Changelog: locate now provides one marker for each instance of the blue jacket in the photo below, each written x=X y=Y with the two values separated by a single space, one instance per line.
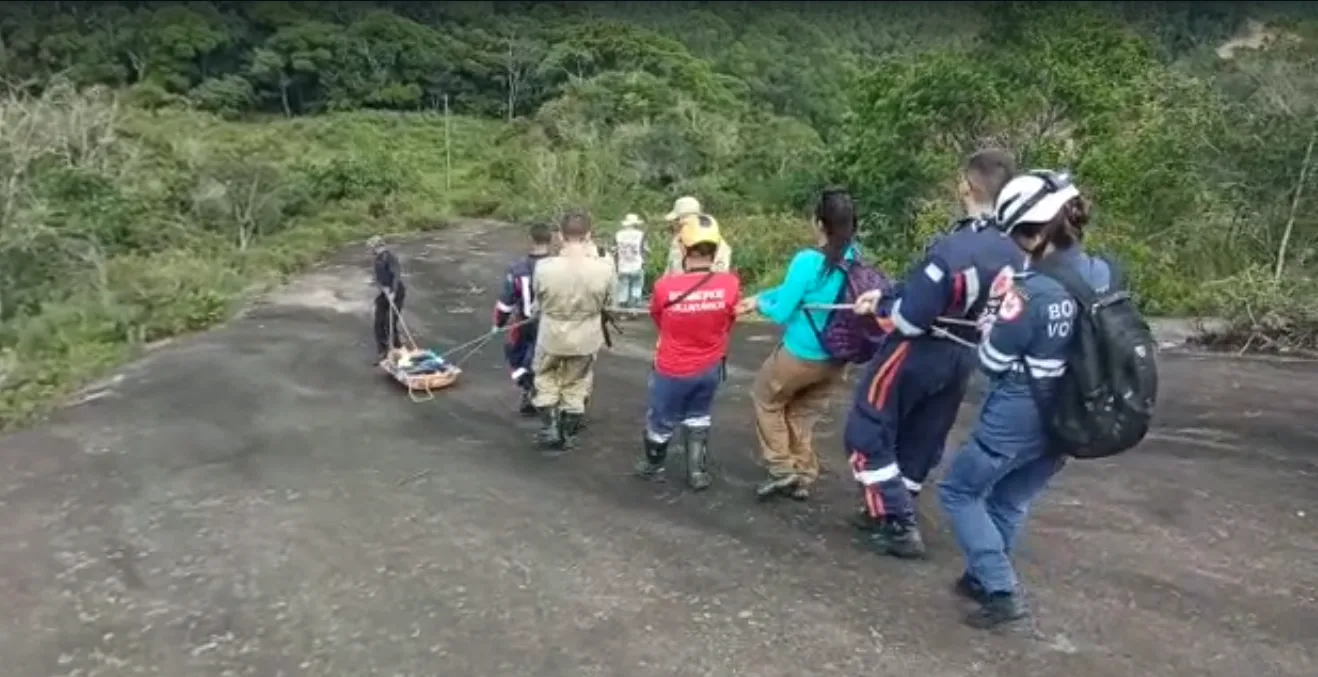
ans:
x=1024 y=350
x=806 y=282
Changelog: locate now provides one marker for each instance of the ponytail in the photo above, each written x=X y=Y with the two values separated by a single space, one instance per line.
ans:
x=836 y=215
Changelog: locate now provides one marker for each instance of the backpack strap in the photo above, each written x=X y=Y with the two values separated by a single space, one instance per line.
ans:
x=1070 y=280
x=843 y=267
x=683 y=296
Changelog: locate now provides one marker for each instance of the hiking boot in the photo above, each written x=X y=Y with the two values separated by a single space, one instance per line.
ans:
x=569 y=426
x=549 y=436
x=651 y=463
x=899 y=540
x=777 y=484
x=970 y=588
x=1000 y=608
x=525 y=408
x=697 y=458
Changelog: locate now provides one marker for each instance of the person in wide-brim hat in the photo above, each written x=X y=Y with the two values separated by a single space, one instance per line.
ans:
x=629 y=248
x=687 y=211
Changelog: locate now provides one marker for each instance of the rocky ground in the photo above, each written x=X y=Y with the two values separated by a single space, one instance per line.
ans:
x=258 y=500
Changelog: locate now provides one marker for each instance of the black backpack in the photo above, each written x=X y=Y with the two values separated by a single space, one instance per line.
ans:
x=1104 y=403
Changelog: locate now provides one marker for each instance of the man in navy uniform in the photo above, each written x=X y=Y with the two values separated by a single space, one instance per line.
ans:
x=908 y=397
x=517 y=304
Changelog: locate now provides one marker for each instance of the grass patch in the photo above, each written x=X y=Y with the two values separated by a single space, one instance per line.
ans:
x=127 y=226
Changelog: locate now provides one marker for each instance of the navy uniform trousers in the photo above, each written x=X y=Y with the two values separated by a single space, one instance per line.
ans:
x=905 y=405
x=518 y=351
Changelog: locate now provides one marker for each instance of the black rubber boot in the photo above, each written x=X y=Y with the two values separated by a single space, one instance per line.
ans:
x=899 y=539
x=1000 y=608
x=697 y=459
x=525 y=408
x=569 y=425
x=549 y=436
x=651 y=463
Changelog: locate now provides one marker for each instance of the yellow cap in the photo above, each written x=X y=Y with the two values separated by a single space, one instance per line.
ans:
x=698 y=228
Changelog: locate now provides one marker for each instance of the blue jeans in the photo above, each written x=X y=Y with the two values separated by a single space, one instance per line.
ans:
x=631 y=288
x=987 y=494
x=680 y=401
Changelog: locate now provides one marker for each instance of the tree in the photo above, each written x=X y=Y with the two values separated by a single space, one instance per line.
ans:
x=388 y=61
x=520 y=51
x=294 y=60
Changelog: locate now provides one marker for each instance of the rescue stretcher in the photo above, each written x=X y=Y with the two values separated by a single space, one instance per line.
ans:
x=422 y=372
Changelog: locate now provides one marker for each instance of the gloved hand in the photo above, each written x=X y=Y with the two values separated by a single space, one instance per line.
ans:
x=495 y=329
x=867 y=303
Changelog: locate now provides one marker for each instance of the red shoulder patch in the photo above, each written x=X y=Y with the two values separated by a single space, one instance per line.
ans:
x=1012 y=306
x=1003 y=282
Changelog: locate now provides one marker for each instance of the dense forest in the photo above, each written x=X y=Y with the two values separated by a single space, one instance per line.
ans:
x=165 y=159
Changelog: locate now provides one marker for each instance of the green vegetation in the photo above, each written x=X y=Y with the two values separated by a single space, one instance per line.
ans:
x=166 y=159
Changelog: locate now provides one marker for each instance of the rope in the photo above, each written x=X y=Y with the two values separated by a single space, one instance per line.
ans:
x=473 y=346
x=413 y=393
x=839 y=306
x=962 y=322
x=468 y=349
x=939 y=331
x=411 y=342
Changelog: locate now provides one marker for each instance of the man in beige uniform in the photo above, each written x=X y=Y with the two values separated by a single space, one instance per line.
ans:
x=572 y=290
x=687 y=210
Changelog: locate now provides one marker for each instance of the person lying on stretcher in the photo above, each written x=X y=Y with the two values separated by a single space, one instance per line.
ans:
x=418 y=362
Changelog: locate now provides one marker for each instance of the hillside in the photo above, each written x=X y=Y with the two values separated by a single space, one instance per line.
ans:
x=166 y=159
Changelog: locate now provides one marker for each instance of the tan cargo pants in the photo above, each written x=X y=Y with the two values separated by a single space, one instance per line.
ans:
x=790 y=397
x=563 y=381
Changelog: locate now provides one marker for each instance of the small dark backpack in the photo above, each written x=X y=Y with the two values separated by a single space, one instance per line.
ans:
x=846 y=336
x=1104 y=403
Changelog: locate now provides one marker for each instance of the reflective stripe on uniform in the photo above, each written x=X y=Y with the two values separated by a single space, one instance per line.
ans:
x=996 y=361
x=902 y=324
x=884 y=474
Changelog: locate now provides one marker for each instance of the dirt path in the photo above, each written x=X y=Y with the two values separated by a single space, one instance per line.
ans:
x=257 y=501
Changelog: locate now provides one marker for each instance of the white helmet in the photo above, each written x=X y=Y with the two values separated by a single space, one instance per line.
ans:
x=1035 y=197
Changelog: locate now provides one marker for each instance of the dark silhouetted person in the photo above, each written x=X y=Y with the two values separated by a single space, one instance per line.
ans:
x=389 y=300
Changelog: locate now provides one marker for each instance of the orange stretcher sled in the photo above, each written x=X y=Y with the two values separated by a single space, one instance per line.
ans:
x=422 y=372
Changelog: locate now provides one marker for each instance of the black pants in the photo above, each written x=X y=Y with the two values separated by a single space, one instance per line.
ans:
x=386 y=322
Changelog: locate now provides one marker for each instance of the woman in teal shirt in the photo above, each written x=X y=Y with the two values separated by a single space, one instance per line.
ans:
x=792 y=390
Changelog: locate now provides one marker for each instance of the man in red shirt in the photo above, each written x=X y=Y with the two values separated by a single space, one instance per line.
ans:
x=694 y=312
